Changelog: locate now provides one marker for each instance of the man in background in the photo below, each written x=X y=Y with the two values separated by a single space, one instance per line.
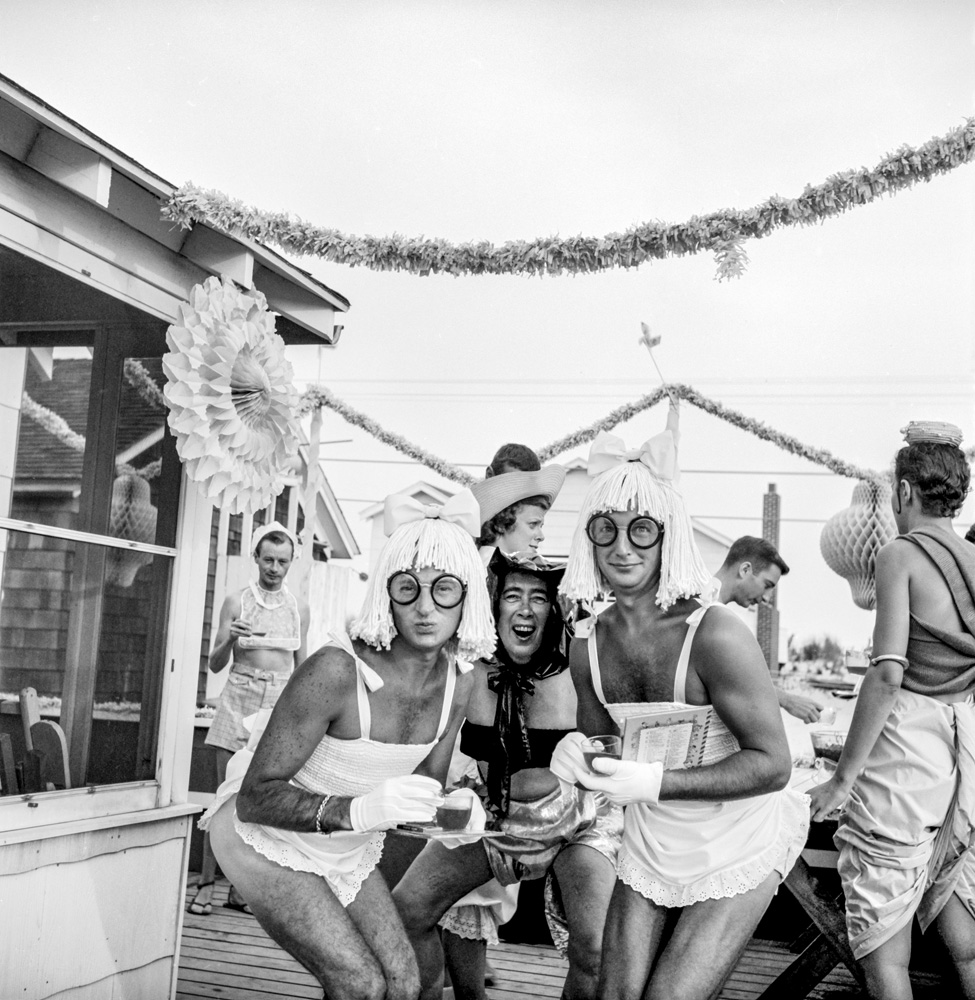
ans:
x=749 y=574
x=261 y=633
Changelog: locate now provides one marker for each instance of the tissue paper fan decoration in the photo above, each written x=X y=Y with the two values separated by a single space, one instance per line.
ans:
x=231 y=396
x=851 y=539
x=133 y=517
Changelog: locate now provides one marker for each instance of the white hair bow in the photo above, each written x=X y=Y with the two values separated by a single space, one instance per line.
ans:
x=461 y=509
x=658 y=454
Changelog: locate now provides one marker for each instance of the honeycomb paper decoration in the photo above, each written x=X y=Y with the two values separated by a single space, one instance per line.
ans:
x=133 y=517
x=851 y=539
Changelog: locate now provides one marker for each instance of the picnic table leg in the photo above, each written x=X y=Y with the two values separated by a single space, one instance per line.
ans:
x=825 y=910
x=815 y=963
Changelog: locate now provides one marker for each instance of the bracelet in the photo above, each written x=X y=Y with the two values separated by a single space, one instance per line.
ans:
x=902 y=660
x=321 y=813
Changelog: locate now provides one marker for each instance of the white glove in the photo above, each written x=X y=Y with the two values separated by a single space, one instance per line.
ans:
x=411 y=798
x=475 y=824
x=567 y=762
x=625 y=781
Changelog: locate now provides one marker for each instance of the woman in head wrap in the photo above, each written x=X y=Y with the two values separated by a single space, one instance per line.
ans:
x=359 y=742
x=906 y=777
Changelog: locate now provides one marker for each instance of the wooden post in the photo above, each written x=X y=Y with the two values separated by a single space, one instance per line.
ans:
x=767 y=628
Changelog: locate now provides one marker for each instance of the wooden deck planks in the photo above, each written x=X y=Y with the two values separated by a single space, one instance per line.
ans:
x=228 y=955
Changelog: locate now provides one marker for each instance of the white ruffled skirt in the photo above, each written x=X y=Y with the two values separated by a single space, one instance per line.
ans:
x=682 y=852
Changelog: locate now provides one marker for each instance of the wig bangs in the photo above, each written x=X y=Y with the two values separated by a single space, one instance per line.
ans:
x=429 y=543
x=631 y=486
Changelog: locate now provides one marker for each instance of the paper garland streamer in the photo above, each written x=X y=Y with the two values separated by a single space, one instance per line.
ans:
x=144 y=384
x=58 y=427
x=52 y=422
x=722 y=232
x=317 y=396
x=755 y=427
x=231 y=396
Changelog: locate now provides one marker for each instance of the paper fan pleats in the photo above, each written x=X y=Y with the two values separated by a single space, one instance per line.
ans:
x=231 y=396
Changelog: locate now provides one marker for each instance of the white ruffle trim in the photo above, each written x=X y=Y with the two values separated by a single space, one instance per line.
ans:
x=475 y=923
x=779 y=856
x=345 y=885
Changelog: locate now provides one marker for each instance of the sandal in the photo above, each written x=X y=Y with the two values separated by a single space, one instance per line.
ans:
x=202 y=909
x=235 y=902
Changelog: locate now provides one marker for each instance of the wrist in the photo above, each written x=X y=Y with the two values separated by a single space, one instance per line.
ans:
x=843 y=780
x=333 y=814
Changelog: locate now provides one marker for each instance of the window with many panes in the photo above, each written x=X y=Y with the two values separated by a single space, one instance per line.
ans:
x=89 y=491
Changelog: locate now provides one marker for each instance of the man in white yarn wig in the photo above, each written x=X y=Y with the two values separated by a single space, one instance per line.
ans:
x=703 y=873
x=428 y=542
x=643 y=481
x=358 y=743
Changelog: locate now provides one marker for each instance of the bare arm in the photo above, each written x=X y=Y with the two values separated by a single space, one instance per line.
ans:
x=302 y=651
x=730 y=665
x=882 y=682
x=229 y=629
x=310 y=703
x=807 y=709
x=592 y=719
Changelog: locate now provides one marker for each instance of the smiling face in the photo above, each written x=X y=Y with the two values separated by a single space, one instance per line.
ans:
x=524 y=609
x=273 y=562
x=626 y=568
x=525 y=535
x=423 y=624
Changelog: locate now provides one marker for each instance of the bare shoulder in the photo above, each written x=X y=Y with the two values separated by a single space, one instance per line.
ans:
x=465 y=684
x=232 y=604
x=898 y=553
x=721 y=625
x=328 y=671
x=724 y=645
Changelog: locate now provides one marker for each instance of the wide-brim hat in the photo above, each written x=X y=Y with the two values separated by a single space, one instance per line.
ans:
x=503 y=563
x=501 y=491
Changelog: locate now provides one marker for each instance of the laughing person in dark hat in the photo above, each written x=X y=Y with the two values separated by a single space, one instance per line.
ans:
x=522 y=704
x=514 y=499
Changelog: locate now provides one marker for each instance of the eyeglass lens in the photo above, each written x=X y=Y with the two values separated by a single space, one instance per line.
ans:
x=447 y=591
x=643 y=532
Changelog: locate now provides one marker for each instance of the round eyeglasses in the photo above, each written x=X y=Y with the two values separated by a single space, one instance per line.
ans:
x=643 y=532
x=446 y=590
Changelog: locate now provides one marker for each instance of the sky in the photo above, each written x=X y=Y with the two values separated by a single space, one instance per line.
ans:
x=488 y=120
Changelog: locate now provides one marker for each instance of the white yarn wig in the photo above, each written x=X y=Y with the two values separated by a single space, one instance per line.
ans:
x=430 y=543
x=631 y=486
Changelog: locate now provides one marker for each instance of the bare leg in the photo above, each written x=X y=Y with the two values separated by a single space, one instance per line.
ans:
x=631 y=939
x=707 y=940
x=706 y=944
x=466 y=963
x=886 y=968
x=360 y=953
x=203 y=900
x=433 y=883
x=956 y=925
x=586 y=882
